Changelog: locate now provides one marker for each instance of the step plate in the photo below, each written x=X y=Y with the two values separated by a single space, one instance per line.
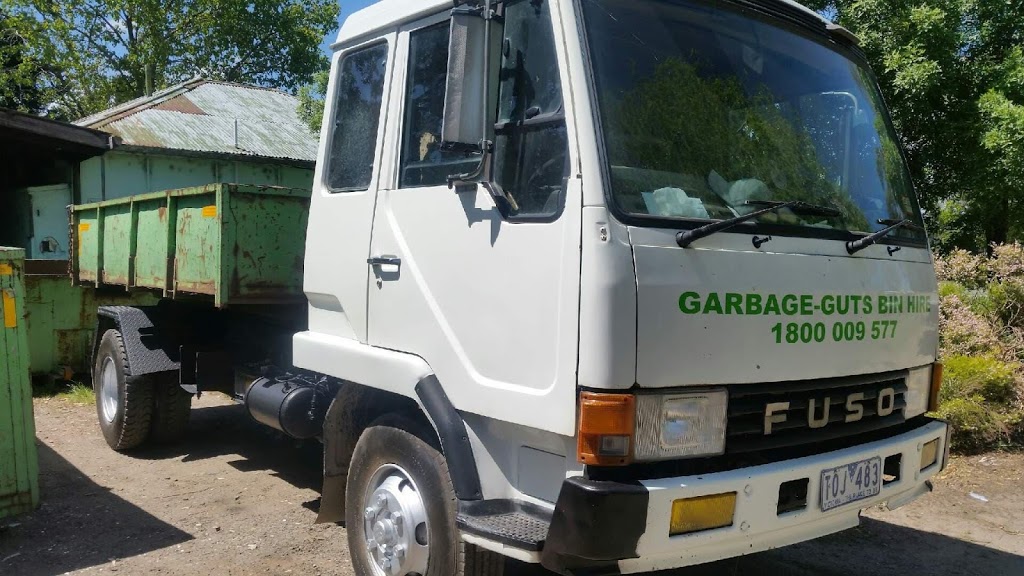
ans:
x=513 y=527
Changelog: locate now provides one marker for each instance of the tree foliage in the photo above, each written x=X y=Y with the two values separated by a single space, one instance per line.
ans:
x=952 y=72
x=97 y=53
x=18 y=70
x=311 y=100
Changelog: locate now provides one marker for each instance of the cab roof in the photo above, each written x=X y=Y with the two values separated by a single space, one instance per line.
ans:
x=387 y=14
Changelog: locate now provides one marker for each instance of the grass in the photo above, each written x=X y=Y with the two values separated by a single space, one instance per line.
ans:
x=78 y=393
x=73 y=392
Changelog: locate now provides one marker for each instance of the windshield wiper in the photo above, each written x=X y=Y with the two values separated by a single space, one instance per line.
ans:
x=909 y=224
x=854 y=246
x=798 y=207
x=687 y=237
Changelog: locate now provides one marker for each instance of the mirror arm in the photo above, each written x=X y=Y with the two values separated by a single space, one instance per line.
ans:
x=482 y=175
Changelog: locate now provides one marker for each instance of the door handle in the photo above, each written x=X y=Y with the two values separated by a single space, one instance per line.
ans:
x=384 y=261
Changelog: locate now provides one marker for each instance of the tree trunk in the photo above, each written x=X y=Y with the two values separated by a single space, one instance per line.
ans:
x=150 y=72
x=998 y=229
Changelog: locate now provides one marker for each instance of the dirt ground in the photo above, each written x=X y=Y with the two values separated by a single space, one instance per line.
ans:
x=237 y=499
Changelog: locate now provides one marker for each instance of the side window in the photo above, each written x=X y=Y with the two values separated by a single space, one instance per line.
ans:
x=357 y=108
x=531 y=146
x=423 y=162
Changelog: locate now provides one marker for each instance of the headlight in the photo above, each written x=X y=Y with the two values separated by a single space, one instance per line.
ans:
x=919 y=391
x=680 y=425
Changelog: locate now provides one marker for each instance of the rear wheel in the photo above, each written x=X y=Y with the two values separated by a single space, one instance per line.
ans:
x=400 y=509
x=124 y=403
x=171 y=408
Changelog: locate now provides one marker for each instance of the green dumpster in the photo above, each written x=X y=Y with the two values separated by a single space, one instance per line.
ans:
x=237 y=244
x=19 y=466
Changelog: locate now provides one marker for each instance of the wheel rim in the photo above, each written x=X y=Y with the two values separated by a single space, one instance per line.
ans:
x=395 y=530
x=108 y=389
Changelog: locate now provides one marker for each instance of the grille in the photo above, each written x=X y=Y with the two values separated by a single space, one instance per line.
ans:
x=747 y=403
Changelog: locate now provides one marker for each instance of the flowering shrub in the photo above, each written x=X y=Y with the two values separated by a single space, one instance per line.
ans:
x=963 y=332
x=1007 y=262
x=981 y=333
x=963 y=268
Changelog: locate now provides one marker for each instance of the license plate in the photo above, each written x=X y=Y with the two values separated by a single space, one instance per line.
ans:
x=851 y=482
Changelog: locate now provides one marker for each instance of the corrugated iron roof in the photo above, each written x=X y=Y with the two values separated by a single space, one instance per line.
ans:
x=216 y=117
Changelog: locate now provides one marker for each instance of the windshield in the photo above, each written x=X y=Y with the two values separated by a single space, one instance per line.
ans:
x=708 y=113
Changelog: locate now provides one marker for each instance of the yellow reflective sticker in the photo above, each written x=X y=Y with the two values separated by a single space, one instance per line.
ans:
x=83 y=227
x=10 y=310
x=6 y=269
x=209 y=211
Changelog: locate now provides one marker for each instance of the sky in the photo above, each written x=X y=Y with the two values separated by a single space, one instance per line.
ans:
x=347 y=8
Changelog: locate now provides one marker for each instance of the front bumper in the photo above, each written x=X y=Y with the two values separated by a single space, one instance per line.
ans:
x=614 y=527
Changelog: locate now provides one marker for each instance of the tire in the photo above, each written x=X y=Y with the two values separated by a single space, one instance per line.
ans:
x=171 y=408
x=391 y=449
x=124 y=404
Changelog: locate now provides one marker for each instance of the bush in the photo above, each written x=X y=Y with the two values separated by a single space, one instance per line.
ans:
x=1006 y=299
x=979 y=300
x=960 y=266
x=981 y=341
x=979 y=399
x=1007 y=262
x=963 y=332
x=975 y=426
x=991 y=379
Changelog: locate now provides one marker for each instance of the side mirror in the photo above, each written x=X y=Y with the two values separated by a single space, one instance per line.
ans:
x=474 y=52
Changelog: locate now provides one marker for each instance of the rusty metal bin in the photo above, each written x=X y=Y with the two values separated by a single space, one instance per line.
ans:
x=19 y=463
x=237 y=244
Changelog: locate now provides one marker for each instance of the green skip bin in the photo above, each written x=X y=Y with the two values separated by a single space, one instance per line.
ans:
x=19 y=463
x=237 y=244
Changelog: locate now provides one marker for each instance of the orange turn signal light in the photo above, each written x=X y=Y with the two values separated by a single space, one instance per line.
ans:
x=933 y=398
x=605 y=429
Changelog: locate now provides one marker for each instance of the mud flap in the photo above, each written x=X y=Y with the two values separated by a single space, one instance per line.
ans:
x=342 y=427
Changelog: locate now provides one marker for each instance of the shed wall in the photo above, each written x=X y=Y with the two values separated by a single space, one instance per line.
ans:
x=119 y=174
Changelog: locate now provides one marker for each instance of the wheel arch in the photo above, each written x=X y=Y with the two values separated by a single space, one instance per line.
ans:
x=356 y=407
x=139 y=329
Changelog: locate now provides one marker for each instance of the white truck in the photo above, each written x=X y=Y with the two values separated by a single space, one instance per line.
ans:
x=607 y=285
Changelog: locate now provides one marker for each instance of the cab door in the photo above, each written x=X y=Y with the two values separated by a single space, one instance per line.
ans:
x=485 y=291
x=345 y=188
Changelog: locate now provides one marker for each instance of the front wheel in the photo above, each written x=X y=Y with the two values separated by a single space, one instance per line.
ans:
x=124 y=403
x=400 y=509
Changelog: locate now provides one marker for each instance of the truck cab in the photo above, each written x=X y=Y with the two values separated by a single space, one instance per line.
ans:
x=612 y=286
x=662 y=258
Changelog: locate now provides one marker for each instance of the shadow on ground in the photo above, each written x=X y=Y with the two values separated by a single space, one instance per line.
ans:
x=79 y=524
x=218 y=430
x=874 y=548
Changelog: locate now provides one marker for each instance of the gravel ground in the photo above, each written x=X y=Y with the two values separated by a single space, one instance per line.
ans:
x=236 y=499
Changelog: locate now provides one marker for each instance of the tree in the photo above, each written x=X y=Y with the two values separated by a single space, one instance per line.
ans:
x=952 y=72
x=311 y=100
x=18 y=71
x=110 y=51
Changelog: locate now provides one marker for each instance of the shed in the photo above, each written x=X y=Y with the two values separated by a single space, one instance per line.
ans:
x=196 y=133
x=42 y=156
